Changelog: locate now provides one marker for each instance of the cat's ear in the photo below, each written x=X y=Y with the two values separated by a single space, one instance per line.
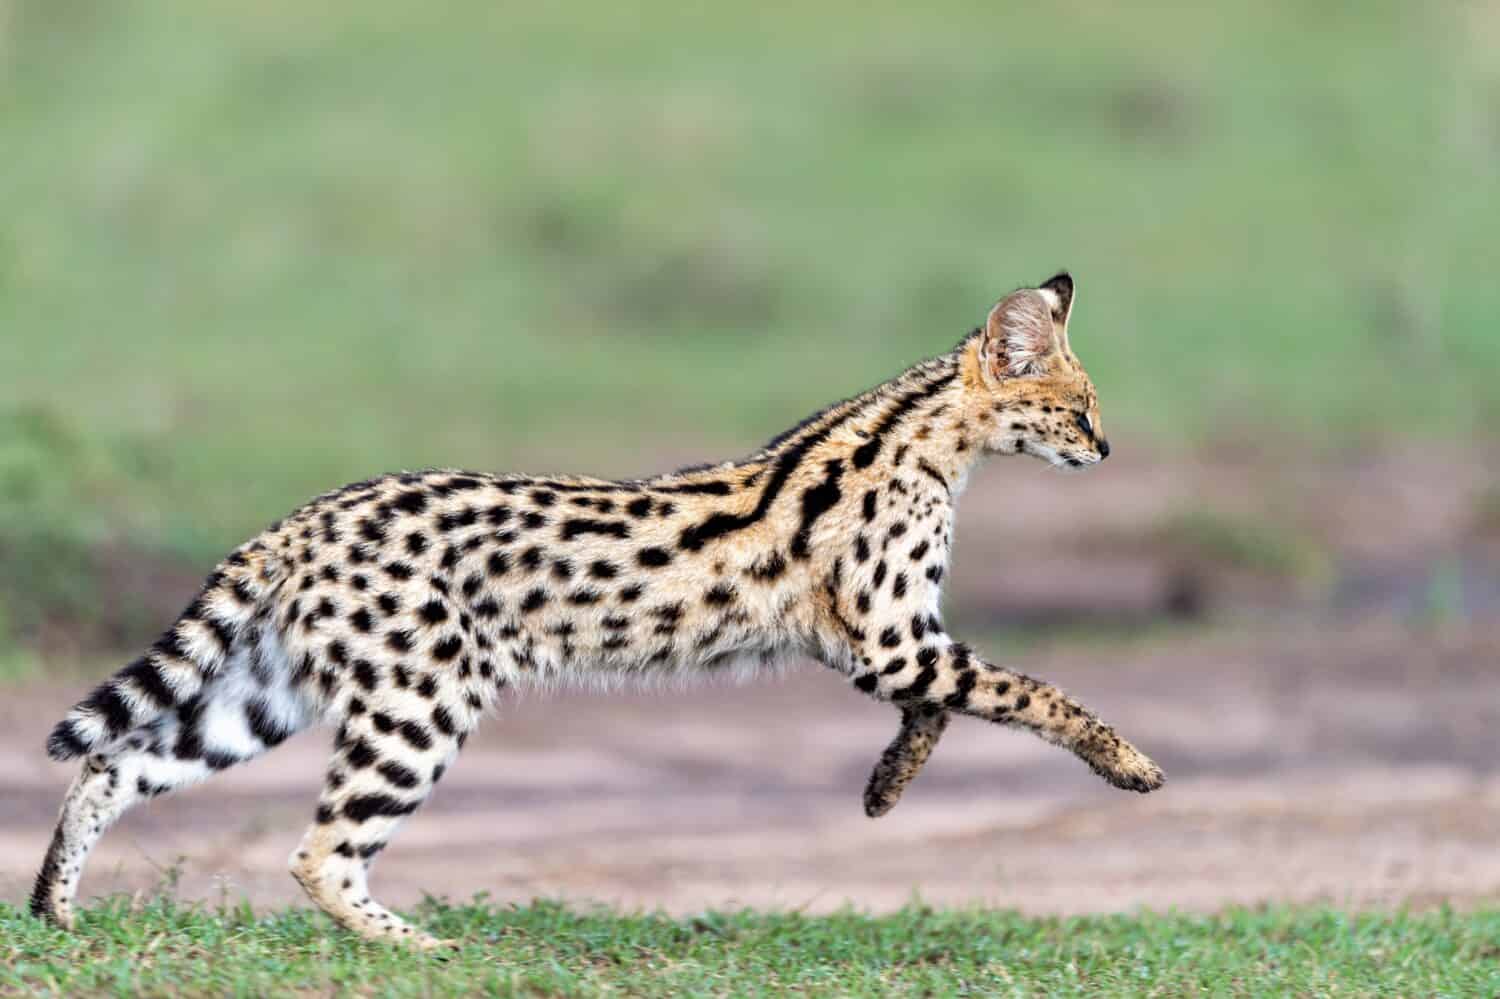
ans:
x=1059 y=292
x=1020 y=334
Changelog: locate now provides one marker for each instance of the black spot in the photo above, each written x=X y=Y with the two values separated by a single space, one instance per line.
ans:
x=487 y=608
x=562 y=569
x=534 y=520
x=534 y=600
x=890 y=638
x=866 y=682
x=388 y=603
x=769 y=568
x=263 y=725
x=411 y=501
x=242 y=592
x=221 y=633
x=584 y=597
x=361 y=620
x=720 y=595
x=578 y=526
x=447 y=648
x=415 y=735
x=653 y=557
x=398 y=641
x=416 y=542
x=959 y=699
x=880 y=571
x=869 y=506
x=604 y=570
x=927 y=656
x=898 y=585
x=465 y=517
x=919 y=551
x=863 y=601
x=360 y=755
x=398 y=570
x=639 y=507
x=918 y=687
x=397 y=774
x=442 y=720
x=366 y=806
x=932 y=473
x=630 y=594
x=147 y=789
x=433 y=611
x=364 y=673
x=531 y=558
x=861 y=548
x=498 y=564
x=542 y=497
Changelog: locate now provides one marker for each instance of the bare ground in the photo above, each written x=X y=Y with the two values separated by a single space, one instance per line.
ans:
x=1357 y=767
x=1321 y=745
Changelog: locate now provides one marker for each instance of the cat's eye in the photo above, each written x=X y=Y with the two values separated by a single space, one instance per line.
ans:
x=1084 y=424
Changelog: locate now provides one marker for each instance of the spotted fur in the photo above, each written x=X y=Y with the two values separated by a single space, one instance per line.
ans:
x=401 y=609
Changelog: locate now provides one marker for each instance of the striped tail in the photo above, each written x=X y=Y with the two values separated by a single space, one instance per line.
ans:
x=187 y=655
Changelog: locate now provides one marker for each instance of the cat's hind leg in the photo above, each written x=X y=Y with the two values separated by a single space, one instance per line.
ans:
x=383 y=768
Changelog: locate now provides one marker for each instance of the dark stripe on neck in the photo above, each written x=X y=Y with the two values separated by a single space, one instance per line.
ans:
x=866 y=453
x=795 y=449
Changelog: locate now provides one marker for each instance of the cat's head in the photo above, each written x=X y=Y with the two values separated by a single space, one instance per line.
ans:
x=1038 y=396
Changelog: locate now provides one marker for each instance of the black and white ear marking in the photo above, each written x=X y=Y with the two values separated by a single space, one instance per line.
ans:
x=1058 y=290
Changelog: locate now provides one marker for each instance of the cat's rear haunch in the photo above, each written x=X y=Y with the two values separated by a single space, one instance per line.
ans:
x=402 y=608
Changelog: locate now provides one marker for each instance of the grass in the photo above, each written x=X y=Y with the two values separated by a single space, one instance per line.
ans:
x=548 y=949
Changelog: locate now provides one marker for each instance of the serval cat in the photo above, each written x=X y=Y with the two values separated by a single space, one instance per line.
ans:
x=402 y=608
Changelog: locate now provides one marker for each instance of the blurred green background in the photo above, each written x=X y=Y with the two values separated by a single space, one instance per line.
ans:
x=249 y=251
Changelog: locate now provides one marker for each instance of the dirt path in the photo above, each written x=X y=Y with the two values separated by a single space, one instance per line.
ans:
x=1356 y=766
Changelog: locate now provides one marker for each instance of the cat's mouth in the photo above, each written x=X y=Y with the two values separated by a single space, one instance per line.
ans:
x=1055 y=458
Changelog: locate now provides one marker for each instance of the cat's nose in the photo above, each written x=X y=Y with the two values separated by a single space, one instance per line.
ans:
x=1103 y=449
